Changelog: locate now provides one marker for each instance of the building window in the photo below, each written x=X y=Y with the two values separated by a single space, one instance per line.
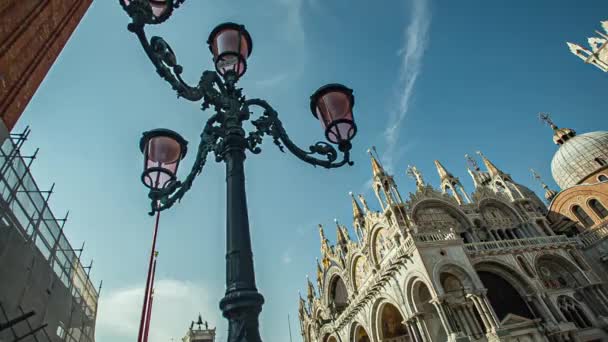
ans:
x=582 y=216
x=602 y=178
x=601 y=161
x=598 y=208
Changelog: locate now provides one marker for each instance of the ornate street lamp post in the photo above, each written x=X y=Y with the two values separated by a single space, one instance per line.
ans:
x=224 y=135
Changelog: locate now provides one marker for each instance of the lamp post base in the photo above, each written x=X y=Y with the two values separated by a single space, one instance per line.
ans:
x=242 y=309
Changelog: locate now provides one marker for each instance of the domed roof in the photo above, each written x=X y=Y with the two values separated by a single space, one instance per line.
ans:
x=577 y=157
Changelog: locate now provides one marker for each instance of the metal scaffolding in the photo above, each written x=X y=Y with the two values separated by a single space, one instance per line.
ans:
x=24 y=207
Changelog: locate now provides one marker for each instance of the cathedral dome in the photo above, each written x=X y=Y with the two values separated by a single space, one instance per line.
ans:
x=578 y=157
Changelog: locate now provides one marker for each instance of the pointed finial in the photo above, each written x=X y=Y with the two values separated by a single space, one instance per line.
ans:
x=443 y=173
x=472 y=162
x=560 y=135
x=322 y=233
x=605 y=26
x=549 y=193
x=377 y=168
x=357 y=213
x=364 y=202
x=311 y=289
x=492 y=169
x=546 y=118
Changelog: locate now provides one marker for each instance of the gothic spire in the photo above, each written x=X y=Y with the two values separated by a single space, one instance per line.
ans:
x=377 y=168
x=443 y=173
x=560 y=135
x=311 y=289
x=341 y=235
x=492 y=169
x=357 y=213
x=364 y=202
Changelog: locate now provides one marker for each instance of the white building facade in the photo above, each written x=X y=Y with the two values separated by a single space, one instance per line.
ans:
x=443 y=265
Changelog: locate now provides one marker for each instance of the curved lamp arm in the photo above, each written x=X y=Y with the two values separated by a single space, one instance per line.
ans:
x=270 y=124
x=165 y=61
x=165 y=198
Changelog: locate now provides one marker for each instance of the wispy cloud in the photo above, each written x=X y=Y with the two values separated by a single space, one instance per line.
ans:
x=411 y=53
x=272 y=81
x=176 y=303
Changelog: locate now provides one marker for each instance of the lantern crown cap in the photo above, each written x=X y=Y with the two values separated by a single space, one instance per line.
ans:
x=233 y=26
x=146 y=136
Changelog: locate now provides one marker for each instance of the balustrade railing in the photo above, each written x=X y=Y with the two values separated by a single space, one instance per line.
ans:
x=518 y=243
x=594 y=235
x=437 y=236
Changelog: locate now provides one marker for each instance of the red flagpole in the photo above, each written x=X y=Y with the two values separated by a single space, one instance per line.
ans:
x=150 y=300
x=147 y=293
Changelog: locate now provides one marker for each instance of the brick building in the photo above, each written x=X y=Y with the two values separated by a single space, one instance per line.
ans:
x=32 y=34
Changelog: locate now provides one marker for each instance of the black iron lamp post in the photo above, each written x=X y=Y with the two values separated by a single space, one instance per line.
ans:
x=224 y=135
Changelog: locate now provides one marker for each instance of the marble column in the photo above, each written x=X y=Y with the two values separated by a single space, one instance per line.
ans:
x=471 y=310
x=442 y=316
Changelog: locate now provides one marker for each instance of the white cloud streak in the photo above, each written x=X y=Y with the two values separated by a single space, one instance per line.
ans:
x=176 y=303
x=411 y=53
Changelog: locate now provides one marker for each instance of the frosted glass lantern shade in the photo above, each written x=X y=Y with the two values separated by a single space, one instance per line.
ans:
x=333 y=106
x=230 y=45
x=163 y=150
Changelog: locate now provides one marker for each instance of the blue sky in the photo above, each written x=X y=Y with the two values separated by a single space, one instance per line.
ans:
x=432 y=80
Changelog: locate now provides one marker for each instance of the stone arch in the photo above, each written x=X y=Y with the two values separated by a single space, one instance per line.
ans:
x=330 y=274
x=555 y=272
x=387 y=320
x=508 y=211
x=358 y=265
x=421 y=296
x=358 y=333
x=441 y=220
x=338 y=294
x=376 y=250
x=582 y=216
x=502 y=281
x=455 y=269
x=598 y=208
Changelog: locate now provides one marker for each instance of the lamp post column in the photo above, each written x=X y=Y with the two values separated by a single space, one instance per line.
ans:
x=242 y=302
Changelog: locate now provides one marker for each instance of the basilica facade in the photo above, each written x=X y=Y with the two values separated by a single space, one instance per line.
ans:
x=494 y=265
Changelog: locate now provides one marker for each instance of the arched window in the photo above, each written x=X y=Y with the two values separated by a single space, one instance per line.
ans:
x=598 y=208
x=573 y=312
x=338 y=295
x=582 y=216
x=391 y=325
x=602 y=178
x=601 y=161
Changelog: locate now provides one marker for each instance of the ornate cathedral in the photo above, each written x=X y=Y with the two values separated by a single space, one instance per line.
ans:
x=494 y=265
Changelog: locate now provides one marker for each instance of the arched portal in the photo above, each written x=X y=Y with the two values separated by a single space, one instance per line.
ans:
x=390 y=324
x=503 y=296
x=430 y=316
x=361 y=335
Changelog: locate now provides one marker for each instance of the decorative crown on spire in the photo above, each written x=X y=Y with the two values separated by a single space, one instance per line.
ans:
x=472 y=162
x=560 y=135
x=549 y=193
